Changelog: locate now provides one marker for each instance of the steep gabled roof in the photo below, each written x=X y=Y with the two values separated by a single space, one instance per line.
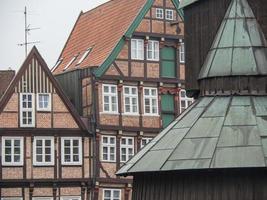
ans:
x=184 y=3
x=6 y=77
x=239 y=48
x=100 y=28
x=215 y=132
x=104 y=30
x=34 y=54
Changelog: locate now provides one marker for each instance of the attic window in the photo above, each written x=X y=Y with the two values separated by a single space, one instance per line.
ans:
x=69 y=64
x=57 y=64
x=86 y=53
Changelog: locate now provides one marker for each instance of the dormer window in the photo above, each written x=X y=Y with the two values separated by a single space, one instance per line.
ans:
x=169 y=14
x=86 y=53
x=57 y=64
x=71 y=61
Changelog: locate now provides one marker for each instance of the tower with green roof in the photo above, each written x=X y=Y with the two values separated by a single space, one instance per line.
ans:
x=217 y=148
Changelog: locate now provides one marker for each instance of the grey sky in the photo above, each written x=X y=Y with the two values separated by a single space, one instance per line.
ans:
x=55 y=18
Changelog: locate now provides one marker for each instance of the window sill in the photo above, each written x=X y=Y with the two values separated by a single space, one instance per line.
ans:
x=106 y=161
x=43 y=165
x=109 y=113
x=151 y=115
x=12 y=164
x=131 y=114
x=71 y=164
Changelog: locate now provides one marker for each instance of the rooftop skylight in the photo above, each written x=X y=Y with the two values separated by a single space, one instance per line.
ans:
x=86 y=53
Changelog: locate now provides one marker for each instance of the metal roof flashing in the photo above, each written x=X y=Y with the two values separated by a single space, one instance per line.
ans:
x=226 y=131
x=239 y=48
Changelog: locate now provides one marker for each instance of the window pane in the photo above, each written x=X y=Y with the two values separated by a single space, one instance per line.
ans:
x=67 y=158
x=16 y=158
x=47 y=158
x=47 y=142
x=116 y=194
x=39 y=158
x=66 y=142
x=47 y=150
x=7 y=143
x=8 y=151
x=7 y=158
x=76 y=143
x=107 y=193
x=75 y=158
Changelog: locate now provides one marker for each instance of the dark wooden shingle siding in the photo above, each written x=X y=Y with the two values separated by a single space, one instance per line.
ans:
x=220 y=185
x=202 y=20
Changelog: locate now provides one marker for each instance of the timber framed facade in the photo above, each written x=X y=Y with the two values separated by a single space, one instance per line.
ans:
x=130 y=89
x=46 y=148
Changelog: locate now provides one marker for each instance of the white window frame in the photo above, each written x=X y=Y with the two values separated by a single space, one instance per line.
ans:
x=150 y=97
x=12 y=163
x=71 y=162
x=32 y=110
x=112 y=193
x=167 y=14
x=85 y=54
x=11 y=198
x=108 y=146
x=159 y=13
x=182 y=53
x=139 y=49
x=131 y=96
x=43 y=163
x=70 y=198
x=186 y=99
x=42 y=198
x=147 y=140
x=126 y=146
x=110 y=95
x=70 y=62
x=49 y=102
x=154 y=50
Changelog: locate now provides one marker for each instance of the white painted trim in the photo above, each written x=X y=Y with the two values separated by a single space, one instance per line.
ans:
x=131 y=96
x=49 y=102
x=11 y=198
x=186 y=99
x=137 y=49
x=71 y=151
x=127 y=147
x=42 y=198
x=159 y=9
x=169 y=10
x=147 y=139
x=110 y=95
x=70 y=197
x=150 y=101
x=35 y=163
x=153 y=50
x=108 y=145
x=112 y=190
x=182 y=52
x=27 y=109
x=12 y=163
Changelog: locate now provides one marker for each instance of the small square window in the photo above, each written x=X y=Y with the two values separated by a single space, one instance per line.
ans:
x=159 y=13
x=169 y=14
x=111 y=194
x=44 y=102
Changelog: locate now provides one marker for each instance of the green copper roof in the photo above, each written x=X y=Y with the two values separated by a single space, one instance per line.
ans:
x=239 y=47
x=215 y=132
x=184 y=3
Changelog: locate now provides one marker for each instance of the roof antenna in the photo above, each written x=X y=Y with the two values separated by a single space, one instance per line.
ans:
x=26 y=32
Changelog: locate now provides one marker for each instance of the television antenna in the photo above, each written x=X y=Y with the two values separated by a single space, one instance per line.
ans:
x=27 y=32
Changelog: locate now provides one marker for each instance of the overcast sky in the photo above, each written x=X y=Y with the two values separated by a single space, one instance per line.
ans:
x=55 y=18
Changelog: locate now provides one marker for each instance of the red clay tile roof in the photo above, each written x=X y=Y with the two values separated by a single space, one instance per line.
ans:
x=6 y=77
x=100 y=28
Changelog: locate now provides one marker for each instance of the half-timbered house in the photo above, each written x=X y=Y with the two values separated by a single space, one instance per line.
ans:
x=216 y=149
x=46 y=149
x=123 y=68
